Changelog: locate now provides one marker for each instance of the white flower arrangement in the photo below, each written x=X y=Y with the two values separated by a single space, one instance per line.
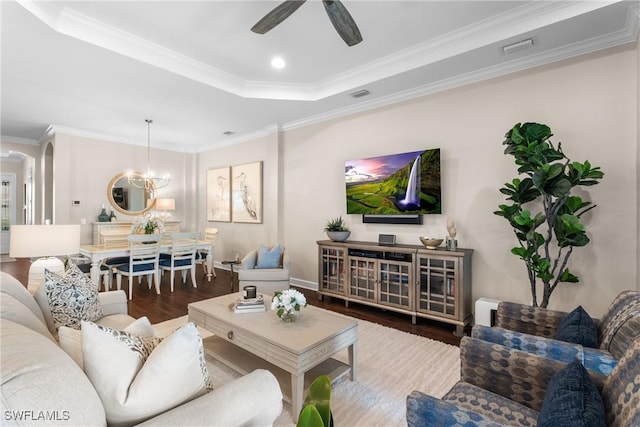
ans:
x=287 y=302
x=147 y=224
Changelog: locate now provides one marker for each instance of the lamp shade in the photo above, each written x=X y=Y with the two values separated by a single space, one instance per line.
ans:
x=31 y=241
x=166 y=204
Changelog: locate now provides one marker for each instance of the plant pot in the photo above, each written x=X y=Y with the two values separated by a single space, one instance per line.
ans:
x=338 y=236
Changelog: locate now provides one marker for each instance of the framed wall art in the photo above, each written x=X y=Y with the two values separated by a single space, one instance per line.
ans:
x=246 y=192
x=219 y=194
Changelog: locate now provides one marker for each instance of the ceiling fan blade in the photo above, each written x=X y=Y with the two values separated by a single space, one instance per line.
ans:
x=277 y=15
x=342 y=22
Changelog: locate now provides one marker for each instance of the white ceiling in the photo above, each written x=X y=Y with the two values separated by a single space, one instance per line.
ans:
x=99 y=68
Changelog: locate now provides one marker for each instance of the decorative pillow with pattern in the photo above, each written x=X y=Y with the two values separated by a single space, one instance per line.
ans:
x=70 y=340
x=72 y=298
x=138 y=378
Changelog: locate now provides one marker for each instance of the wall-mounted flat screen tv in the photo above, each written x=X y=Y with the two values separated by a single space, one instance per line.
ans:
x=398 y=184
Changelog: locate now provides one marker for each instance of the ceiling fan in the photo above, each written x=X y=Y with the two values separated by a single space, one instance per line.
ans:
x=338 y=14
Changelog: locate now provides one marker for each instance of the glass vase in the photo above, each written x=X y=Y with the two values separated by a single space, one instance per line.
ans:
x=289 y=316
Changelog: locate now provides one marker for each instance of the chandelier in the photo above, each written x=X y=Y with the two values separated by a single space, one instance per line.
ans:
x=148 y=182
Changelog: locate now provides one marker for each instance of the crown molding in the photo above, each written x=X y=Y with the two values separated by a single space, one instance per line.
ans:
x=56 y=129
x=238 y=139
x=628 y=35
x=528 y=17
x=17 y=140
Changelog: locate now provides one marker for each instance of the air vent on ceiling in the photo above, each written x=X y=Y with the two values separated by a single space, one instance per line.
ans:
x=514 y=47
x=360 y=93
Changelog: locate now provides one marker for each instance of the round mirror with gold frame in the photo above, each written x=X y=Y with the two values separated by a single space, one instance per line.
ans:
x=127 y=198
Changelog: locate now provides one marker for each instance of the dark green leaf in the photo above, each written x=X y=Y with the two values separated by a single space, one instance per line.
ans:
x=566 y=276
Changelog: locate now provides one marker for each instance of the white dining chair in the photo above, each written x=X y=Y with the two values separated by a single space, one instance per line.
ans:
x=210 y=235
x=182 y=257
x=110 y=239
x=144 y=252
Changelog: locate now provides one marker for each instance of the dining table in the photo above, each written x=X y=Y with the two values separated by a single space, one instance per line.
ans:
x=98 y=253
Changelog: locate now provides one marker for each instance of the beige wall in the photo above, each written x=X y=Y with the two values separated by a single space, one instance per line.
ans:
x=591 y=104
x=240 y=238
x=84 y=167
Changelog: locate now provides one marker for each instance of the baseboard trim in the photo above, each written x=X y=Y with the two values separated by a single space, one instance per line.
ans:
x=306 y=284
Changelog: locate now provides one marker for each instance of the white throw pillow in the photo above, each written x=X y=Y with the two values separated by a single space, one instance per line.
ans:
x=138 y=378
x=72 y=298
x=70 y=340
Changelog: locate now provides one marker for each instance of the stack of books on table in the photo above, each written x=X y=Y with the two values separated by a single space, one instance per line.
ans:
x=250 y=305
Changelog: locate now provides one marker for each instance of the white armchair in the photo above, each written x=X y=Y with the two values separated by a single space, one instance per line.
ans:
x=267 y=277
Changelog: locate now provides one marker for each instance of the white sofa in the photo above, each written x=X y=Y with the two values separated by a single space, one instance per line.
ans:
x=42 y=385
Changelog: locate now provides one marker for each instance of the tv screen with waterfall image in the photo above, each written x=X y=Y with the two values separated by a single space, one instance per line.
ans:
x=397 y=184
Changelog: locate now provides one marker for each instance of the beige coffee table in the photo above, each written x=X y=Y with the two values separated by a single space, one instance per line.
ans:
x=296 y=353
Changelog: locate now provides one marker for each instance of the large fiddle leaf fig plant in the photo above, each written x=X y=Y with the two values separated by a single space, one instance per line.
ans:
x=549 y=227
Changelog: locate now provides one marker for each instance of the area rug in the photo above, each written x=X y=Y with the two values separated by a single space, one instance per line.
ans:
x=391 y=364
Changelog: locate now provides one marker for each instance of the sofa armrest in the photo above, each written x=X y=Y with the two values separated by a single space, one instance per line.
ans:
x=113 y=302
x=593 y=359
x=529 y=320
x=426 y=411
x=286 y=261
x=250 y=260
x=251 y=400
x=520 y=376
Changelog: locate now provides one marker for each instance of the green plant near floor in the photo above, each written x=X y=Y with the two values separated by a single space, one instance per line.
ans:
x=335 y=224
x=316 y=410
x=547 y=237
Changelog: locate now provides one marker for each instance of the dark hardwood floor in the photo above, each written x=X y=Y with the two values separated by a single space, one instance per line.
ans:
x=169 y=305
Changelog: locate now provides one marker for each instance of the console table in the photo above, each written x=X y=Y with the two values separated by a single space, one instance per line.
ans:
x=171 y=226
x=411 y=279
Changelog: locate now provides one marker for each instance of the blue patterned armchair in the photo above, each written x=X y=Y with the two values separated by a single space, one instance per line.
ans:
x=500 y=386
x=533 y=329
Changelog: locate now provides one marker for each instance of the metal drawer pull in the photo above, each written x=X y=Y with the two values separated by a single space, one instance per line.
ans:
x=230 y=335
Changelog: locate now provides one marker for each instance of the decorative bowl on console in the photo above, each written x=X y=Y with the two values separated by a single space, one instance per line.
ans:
x=431 y=242
x=338 y=236
x=337 y=230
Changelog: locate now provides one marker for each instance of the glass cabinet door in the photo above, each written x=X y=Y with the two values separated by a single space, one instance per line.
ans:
x=333 y=269
x=362 y=278
x=396 y=284
x=437 y=287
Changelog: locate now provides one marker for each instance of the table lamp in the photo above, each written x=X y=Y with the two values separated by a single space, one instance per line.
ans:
x=44 y=242
x=165 y=205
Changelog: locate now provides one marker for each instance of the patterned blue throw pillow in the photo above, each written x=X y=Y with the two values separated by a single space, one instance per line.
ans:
x=578 y=328
x=572 y=400
x=269 y=258
x=72 y=297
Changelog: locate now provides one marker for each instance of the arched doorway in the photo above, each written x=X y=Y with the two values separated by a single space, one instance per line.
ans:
x=16 y=193
x=48 y=193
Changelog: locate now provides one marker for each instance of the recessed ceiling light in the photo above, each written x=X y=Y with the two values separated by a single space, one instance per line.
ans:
x=228 y=132
x=278 y=62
